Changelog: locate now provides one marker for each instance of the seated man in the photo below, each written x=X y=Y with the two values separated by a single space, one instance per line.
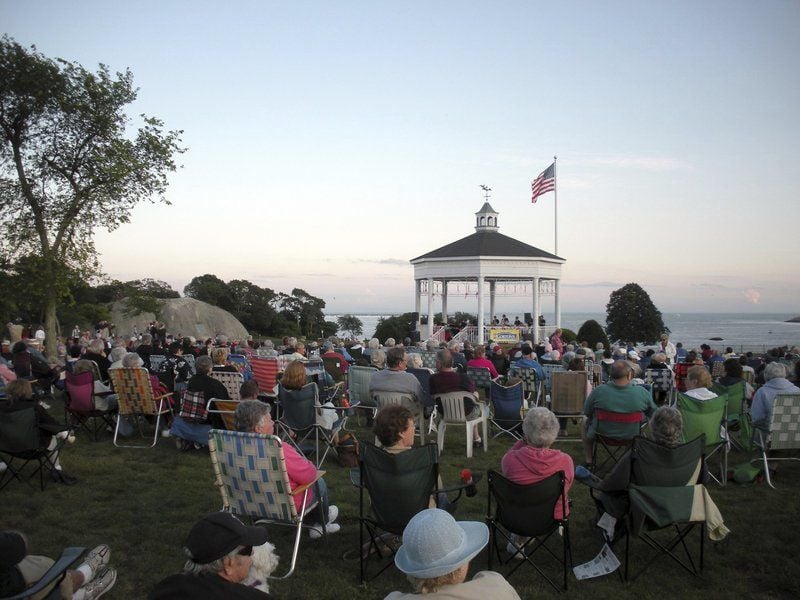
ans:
x=20 y=570
x=775 y=383
x=619 y=396
x=330 y=352
x=394 y=378
x=193 y=429
x=529 y=361
x=220 y=549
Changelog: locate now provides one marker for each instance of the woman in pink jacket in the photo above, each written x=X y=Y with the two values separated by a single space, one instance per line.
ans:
x=254 y=416
x=531 y=459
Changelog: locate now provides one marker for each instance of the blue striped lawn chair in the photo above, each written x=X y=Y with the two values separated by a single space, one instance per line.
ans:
x=250 y=472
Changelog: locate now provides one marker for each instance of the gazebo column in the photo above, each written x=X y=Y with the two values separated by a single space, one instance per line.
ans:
x=444 y=302
x=492 y=287
x=558 y=302
x=417 y=300
x=536 y=309
x=480 y=309
x=430 y=307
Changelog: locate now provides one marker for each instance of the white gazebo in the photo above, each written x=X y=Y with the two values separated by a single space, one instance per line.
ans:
x=487 y=257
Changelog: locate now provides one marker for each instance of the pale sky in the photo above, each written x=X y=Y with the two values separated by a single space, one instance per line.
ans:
x=331 y=142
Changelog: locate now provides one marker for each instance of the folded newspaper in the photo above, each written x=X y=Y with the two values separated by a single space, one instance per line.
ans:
x=604 y=563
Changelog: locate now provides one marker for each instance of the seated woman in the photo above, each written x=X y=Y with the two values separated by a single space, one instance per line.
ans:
x=666 y=428
x=192 y=428
x=733 y=375
x=435 y=556
x=698 y=380
x=481 y=361
x=378 y=359
x=219 y=355
x=531 y=459
x=395 y=428
x=20 y=570
x=19 y=396
x=294 y=379
x=254 y=417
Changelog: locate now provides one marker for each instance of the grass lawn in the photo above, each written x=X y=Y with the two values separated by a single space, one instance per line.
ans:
x=143 y=503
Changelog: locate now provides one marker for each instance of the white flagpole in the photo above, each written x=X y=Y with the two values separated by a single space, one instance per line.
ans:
x=555 y=195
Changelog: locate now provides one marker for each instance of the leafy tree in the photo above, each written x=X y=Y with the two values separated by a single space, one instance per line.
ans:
x=350 y=324
x=632 y=317
x=396 y=327
x=252 y=305
x=568 y=335
x=592 y=332
x=306 y=311
x=152 y=287
x=68 y=164
x=210 y=288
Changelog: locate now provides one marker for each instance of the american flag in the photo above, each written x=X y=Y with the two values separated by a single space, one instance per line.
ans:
x=545 y=182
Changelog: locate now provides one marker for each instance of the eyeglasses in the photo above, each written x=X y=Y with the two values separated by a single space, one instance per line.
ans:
x=245 y=551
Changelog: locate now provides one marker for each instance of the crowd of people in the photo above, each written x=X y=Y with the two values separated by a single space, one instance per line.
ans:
x=219 y=546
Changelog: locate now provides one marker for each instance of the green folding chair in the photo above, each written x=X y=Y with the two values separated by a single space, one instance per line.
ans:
x=740 y=432
x=708 y=418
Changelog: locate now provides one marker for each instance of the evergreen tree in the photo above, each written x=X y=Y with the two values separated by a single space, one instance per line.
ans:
x=592 y=332
x=632 y=317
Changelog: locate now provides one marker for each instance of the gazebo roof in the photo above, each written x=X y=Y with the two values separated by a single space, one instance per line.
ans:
x=487 y=243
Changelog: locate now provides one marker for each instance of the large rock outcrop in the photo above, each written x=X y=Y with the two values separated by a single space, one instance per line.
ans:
x=185 y=316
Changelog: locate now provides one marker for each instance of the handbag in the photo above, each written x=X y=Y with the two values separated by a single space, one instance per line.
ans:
x=347 y=450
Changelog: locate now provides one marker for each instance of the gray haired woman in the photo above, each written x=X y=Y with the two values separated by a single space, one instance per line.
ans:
x=666 y=428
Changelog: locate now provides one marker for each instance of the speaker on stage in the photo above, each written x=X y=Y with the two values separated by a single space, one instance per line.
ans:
x=423 y=320
x=528 y=319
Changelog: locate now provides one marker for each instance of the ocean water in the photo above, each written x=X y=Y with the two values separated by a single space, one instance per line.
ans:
x=749 y=331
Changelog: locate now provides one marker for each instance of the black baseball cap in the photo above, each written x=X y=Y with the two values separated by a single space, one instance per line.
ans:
x=220 y=533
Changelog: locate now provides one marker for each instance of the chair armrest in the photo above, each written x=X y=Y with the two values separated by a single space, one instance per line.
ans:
x=53 y=574
x=302 y=488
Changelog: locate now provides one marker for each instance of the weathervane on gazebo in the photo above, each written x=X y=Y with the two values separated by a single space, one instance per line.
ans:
x=486 y=190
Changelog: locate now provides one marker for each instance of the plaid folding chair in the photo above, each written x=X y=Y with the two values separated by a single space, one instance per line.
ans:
x=231 y=381
x=531 y=383
x=135 y=399
x=250 y=473
x=783 y=434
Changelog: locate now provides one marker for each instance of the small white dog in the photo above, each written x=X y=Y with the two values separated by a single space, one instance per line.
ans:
x=265 y=561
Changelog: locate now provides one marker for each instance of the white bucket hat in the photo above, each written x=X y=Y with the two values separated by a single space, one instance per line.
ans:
x=435 y=544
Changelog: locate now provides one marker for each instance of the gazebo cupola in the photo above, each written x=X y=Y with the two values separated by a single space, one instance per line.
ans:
x=486 y=218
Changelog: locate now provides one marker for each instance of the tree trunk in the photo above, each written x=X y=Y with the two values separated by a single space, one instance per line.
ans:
x=50 y=326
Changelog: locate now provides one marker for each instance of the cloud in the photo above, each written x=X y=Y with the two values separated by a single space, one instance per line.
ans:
x=395 y=262
x=597 y=284
x=752 y=296
x=643 y=163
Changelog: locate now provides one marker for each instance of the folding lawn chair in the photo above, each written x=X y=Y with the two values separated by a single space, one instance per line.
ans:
x=298 y=421
x=382 y=399
x=265 y=372
x=783 y=434
x=523 y=517
x=231 y=381
x=614 y=433
x=568 y=395
x=398 y=486
x=507 y=405
x=79 y=405
x=665 y=484
x=707 y=417
x=250 y=472
x=21 y=445
x=531 y=383
x=137 y=402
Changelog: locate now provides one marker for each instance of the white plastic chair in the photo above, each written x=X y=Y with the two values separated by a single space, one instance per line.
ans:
x=453 y=412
